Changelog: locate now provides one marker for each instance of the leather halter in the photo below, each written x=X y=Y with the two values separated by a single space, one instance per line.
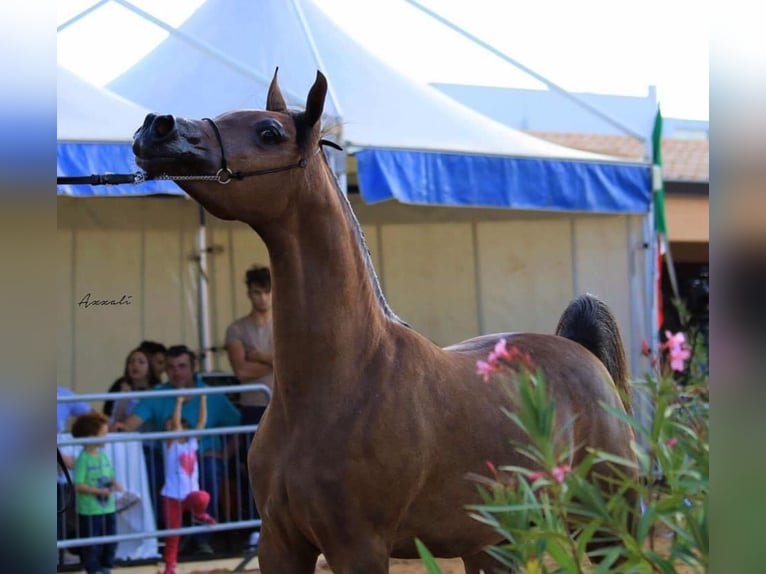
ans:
x=224 y=175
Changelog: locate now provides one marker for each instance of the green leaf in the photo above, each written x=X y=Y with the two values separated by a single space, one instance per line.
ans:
x=645 y=524
x=428 y=560
x=609 y=559
x=604 y=456
x=625 y=417
x=562 y=555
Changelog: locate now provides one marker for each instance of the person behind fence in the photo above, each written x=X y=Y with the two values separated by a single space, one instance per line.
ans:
x=158 y=355
x=95 y=486
x=64 y=520
x=181 y=490
x=138 y=375
x=249 y=344
x=220 y=413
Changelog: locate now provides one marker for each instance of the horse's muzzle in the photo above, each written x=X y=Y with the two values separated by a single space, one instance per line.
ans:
x=156 y=132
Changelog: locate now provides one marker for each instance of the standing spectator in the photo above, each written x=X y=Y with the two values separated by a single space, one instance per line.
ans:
x=220 y=413
x=63 y=412
x=95 y=485
x=181 y=490
x=249 y=344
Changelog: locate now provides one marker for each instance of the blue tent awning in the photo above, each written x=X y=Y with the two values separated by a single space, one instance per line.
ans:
x=83 y=159
x=429 y=178
x=421 y=178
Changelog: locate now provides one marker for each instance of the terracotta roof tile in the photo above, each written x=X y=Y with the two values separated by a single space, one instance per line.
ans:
x=683 y=159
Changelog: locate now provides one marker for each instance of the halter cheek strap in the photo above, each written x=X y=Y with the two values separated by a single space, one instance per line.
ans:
x=224 y=174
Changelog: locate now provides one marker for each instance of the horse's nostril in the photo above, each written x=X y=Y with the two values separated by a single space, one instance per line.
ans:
x=163 y=127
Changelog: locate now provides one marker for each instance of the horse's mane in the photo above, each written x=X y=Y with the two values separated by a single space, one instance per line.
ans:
x=302 y=136
x=363 y=247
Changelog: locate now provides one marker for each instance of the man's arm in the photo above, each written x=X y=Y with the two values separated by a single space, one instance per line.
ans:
x=259 y=357
x=202 y=412
x=244 y=369
x=129 y=424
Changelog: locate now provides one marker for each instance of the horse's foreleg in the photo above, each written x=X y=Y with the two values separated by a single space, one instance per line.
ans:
x=278 y=556
x=365 y=555
x=482 y=563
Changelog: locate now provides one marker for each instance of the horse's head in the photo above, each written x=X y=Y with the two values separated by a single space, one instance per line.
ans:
x=257 y=153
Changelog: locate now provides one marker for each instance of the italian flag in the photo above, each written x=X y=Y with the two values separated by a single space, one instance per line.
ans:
x=660 y=221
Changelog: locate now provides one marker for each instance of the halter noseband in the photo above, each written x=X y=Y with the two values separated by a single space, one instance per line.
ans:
x=224 y=175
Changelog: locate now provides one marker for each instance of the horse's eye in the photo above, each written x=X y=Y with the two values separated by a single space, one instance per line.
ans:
x=270 y=136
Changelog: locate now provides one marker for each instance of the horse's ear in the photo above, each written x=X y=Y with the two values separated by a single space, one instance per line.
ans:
x=315 y=100
x=275 y=102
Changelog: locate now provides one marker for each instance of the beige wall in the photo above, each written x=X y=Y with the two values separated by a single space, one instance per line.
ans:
x=451 y=273
x=110 y=248
x=688 y=218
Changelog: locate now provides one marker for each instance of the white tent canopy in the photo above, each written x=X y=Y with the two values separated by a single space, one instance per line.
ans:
x=238 y=45
x=404 y=133
x=87 y=113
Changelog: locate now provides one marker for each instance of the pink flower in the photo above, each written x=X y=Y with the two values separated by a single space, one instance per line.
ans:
x=501 y=351
x=678 y=350
x=560 y=472
x=674 y=340
x=533 y=476
x=672 y=441
x=678 y=357
x=646 y=350
x=486 y=369
x=491 y=467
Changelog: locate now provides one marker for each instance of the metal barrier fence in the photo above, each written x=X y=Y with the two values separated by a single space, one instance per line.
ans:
x=138 y=461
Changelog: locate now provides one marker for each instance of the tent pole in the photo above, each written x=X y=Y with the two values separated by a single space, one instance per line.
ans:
x=204 y=302
x=207 y=48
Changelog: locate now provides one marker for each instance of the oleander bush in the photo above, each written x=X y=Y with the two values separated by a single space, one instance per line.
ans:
x=549 y=516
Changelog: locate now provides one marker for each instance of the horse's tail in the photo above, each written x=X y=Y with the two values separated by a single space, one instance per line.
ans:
x=588 y=321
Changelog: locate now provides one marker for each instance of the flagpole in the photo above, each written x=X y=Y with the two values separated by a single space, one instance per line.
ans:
x=671 y=268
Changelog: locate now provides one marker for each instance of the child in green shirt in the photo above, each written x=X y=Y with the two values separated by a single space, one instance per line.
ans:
x=95 y=485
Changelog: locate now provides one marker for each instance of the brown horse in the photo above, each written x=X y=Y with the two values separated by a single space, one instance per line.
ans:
x=372 y=428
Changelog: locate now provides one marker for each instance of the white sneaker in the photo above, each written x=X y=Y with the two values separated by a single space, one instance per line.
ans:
x=67 y=558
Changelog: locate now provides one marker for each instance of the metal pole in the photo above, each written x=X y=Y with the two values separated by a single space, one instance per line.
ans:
x=204 y=302
x=208 y=49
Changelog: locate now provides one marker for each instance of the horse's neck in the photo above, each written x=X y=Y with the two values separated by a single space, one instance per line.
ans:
x=328 y=307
